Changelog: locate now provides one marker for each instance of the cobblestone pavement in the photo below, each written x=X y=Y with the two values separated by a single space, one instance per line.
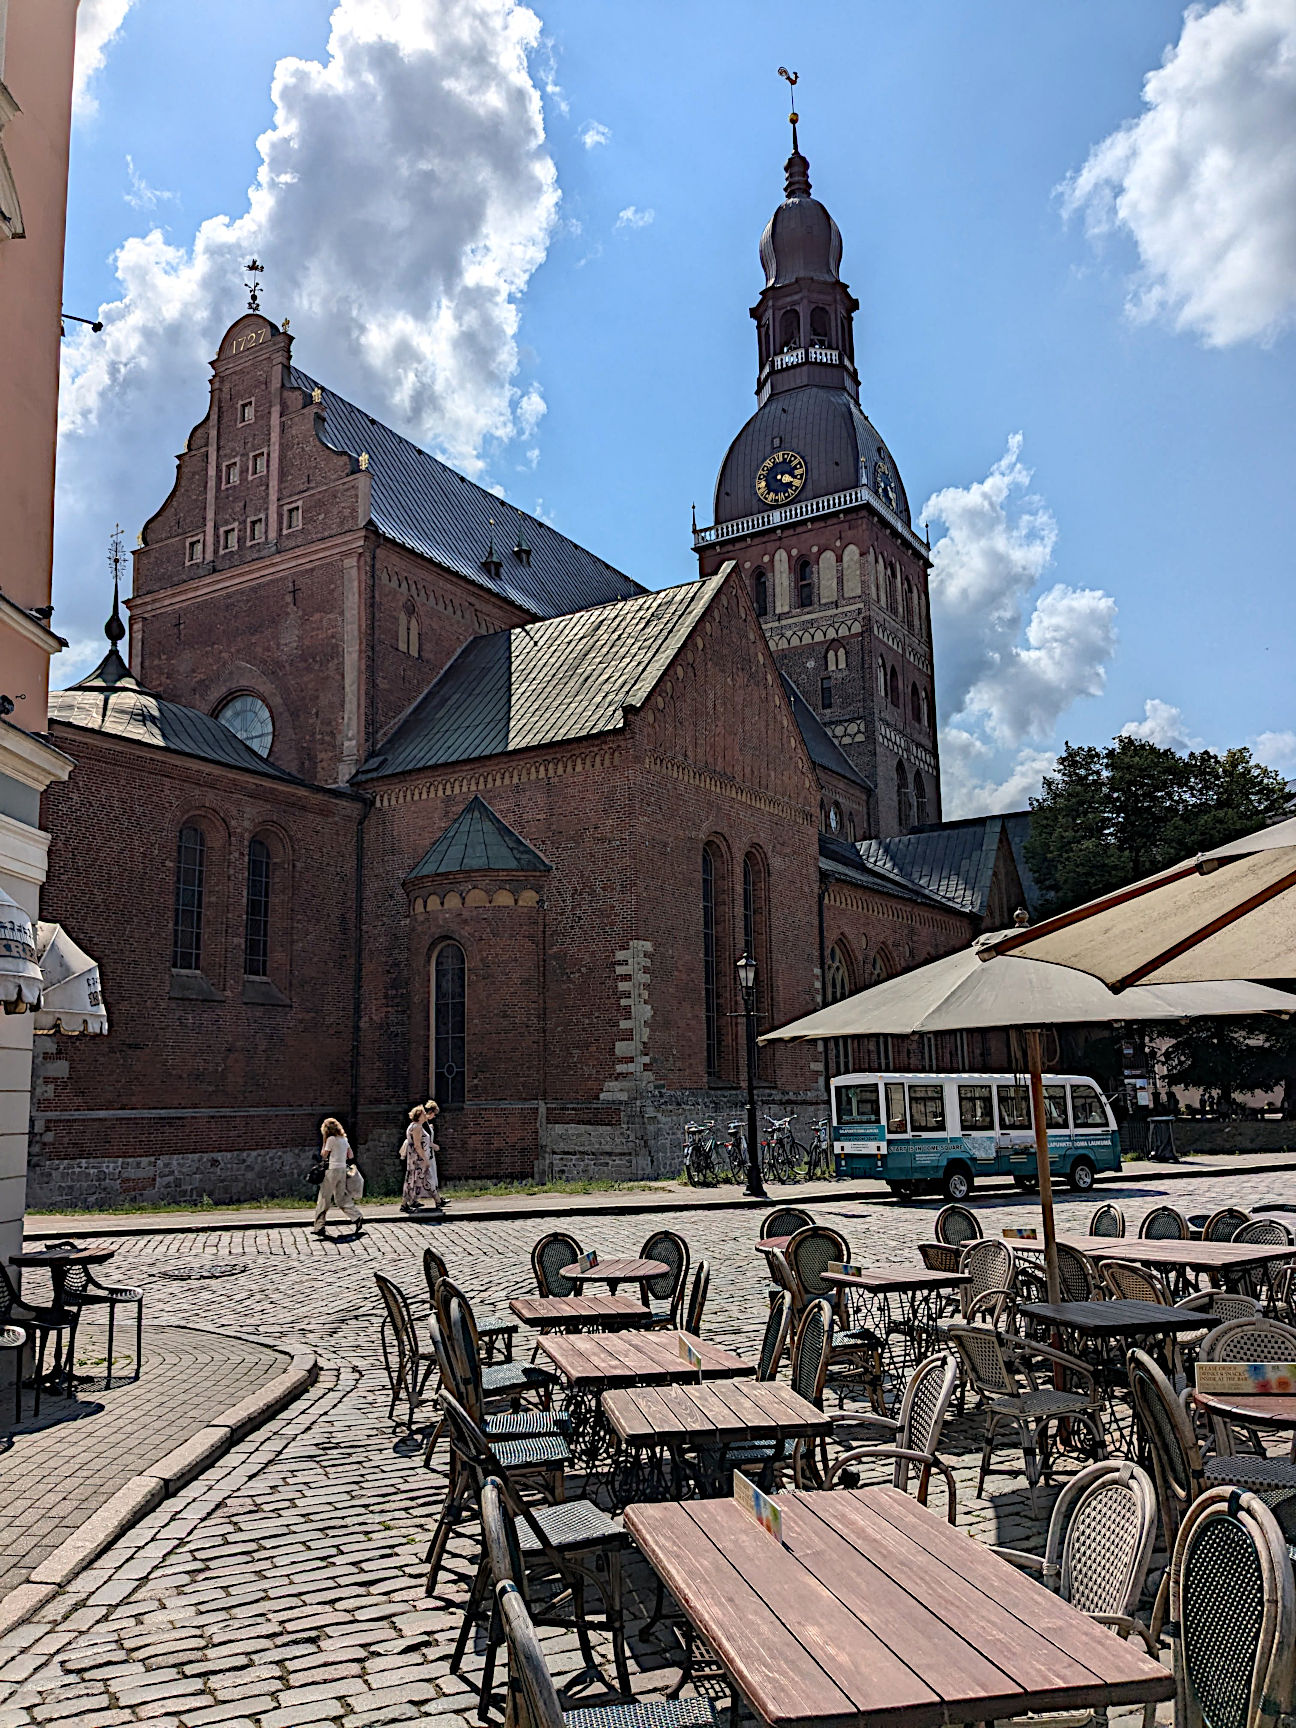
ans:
x=286 y=1586
x=58 y=1469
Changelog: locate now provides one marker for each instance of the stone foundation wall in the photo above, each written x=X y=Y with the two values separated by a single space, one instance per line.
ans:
x=182 y=1179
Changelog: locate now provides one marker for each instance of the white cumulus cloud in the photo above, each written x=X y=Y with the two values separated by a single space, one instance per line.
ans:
x=98 y=21
x=631 y=217
x=1011 y=660
x=594 y=133
x=1276 y=750
x=1162 y=724
x=1204 y=180
x=404 y=198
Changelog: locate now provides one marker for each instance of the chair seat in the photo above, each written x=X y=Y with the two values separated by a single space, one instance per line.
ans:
x=649 y=1713
x=570 y=1524
x=504 y=1377
x=1042 y=1402
x=498 y=1329
x=105 y=1293
x=526 y=1454
x=860 y=1339
x=1255 y=1473
x=527 y=1424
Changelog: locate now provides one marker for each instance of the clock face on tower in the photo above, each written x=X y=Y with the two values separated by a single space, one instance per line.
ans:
x=780 y=477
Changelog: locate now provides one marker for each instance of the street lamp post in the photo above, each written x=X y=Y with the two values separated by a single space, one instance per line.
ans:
x=755 y=1189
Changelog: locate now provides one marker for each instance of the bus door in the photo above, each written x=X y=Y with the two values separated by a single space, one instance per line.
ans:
x=976 y=1122
x=859 y=1137
x=900 y=1147
x=928 y=1129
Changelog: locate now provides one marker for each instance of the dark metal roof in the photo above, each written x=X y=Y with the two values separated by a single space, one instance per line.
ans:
x=840 y=861
x=824 y=750
x=544 y=683
x=478 y=840
x=954 y=860
x=421 y=503
x=840 y=446
x=112 y=701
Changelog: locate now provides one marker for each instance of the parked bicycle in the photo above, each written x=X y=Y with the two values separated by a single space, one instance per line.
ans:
x=700 y=1154
x=736 y=1147
x=819 y=1162
x=783 y=1153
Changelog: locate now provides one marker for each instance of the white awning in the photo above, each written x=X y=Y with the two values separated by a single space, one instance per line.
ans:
x=73 y=998
x=20 y=976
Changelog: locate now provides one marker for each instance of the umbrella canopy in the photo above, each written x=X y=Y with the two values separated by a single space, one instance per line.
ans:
x=20 y=975
x=1230 y=913
x=73 y=997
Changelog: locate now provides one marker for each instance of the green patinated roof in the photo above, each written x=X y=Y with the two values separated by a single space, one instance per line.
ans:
x=478 y=840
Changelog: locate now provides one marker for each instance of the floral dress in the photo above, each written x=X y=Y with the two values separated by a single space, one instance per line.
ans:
x=420 y=1165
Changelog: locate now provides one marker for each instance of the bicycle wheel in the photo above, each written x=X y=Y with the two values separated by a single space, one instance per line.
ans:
x=799 y=1159
x=737 y=1157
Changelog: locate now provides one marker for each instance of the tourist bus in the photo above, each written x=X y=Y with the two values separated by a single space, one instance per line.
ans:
x=926 y=1132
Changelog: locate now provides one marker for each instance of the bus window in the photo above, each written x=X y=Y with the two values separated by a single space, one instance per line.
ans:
x=975 y=1112
x=858 y=1104
x=927 y=1109
x=1014 y=1107
x=897 y=1120
x=1087 y=1108
x=1055 y=1115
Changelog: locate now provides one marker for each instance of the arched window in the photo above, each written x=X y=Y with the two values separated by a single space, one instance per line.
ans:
x=904 y=814
x=835 y=660
x=920 y=798
x=880 y=970
x=820 y=328
x=882 y=679
x=256 y=928
x=926 y=709
x=839 y=987
x=187 y=922
x=909 y=603
x=790 y=330
x=805 y=583
x=915 y=704
x=711 y=897
x=893 y=590
x=893 y=687
x=449 y=1024
x=760 y=592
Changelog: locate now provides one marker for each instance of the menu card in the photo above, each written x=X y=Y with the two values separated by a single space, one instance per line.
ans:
x=766 y=1511
x=1021 y=1233
x=1247 y=1379
x=846 y=1267
x=689 y=1354
x=588 y=1261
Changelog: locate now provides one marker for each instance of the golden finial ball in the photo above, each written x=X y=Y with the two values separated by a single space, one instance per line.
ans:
x=794 y=116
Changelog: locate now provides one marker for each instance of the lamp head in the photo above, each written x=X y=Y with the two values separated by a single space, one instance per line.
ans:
x=747 y=973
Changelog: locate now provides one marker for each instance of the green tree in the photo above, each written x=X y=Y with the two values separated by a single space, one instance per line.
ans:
x=1108 y=816
x=1225 y=1057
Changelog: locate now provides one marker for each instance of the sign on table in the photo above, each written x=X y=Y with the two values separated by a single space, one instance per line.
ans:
x=845 y=1267
x=689 y=1354
x=1247 y=1379
x=767 y=1512
x=1018 y=1233
x=589 y=1260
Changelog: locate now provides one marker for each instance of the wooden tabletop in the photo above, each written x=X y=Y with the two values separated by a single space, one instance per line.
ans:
x=725 y=1410
x=772 y=1244
x=636 y=1358
x=579 y=1310
x=1192 y=1256
x=1265 y=1410
x=615 y=1271
x=875 y=1613
x=881 y=1279
x=1116 y=1318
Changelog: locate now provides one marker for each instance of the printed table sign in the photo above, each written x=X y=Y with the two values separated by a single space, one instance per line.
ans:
x=845 y=1267
x=588 y=1261
x=1247 y=1379
x=1021 y=1234
x=767 y=1512
x=689 y=1354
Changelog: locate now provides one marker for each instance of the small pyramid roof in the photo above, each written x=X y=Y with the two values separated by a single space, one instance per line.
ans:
x=478 y=839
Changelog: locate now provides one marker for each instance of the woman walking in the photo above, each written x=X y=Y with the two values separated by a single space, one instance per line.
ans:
x=338 y=1162
x=419 y=1153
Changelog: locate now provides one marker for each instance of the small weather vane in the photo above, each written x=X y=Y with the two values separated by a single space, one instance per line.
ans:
x=254 y=287
x=792 y=78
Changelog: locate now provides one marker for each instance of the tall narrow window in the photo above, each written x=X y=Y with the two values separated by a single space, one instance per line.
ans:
x=904 y=814
x=756 y=945
x=710 y=966
x=915 y=704
x=186 y=928
x=790 y=330
x=839 y=988
x=749 y=911
x=920 y=798
x=805 y=583
x=825 y=693
x=449 y=1028
x=893 y=685
x=760 y=592
x=256 y=931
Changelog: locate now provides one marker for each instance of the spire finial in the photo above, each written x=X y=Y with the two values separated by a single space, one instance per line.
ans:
x=793 y=117
x=796 y=183
x=114 y=629
x=254 y=287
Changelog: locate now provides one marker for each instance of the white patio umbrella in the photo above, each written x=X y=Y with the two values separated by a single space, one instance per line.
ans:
x=1230 y=913
x=961 y=994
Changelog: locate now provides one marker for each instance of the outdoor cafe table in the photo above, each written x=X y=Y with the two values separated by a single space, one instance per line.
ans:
x=1213 y=1260
x=579 y=1313
x=1248 y=1410
x=591 y=1363
x=708 y=1419
x=614 y=1272
x=58 y=1262
x=875 y=1613
x=915 y=1321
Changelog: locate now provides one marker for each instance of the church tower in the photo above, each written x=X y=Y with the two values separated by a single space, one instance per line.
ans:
x=809 y=503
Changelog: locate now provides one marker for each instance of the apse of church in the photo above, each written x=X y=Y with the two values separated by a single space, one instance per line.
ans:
x=810 y=503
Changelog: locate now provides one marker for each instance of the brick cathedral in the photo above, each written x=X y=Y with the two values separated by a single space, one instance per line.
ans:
x=399 y=791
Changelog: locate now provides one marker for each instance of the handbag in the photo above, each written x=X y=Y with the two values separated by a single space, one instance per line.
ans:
x=315 y=1175
x=354 y=1184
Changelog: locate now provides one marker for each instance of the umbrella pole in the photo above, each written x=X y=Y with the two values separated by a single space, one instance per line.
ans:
x=1035 y=1058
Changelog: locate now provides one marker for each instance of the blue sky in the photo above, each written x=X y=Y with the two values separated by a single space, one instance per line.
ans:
x=614 y=165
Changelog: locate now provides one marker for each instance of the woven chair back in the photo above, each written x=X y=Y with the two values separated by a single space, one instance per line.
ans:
x=925 y=1403
x=983 y=1361
x=1109 y=1514
x=809 y=1254
x=535 y=1702
x=434 y=1269
x=1108 y=1220
x=466 y=1437
x=1164 y=1224
x=1223 y=1304
x=697 y=1299
x=9 y=1299
x=990 y=1266
x=811 y=1350
x=1223 y=1226
x=939 y=1256
x=673 y=1252
x=784 y=1221
x=503 y=1550
x=402 y=1369
x=956 y=1225
x=1168 y=1436
x=1130 y=1283
x=550 y=1254
x=1252 y=1340
x=774 y=1341
x=1077 y=1275
x=462 y=1339
x=1233 y=1601
x=1266 y=1232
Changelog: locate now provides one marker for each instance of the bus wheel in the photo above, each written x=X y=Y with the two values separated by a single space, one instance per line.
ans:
x=1027 y=1184
x=957 y=1183
x=1081 y=1176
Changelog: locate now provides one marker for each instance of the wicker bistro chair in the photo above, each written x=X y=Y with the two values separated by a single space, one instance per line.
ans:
x=1164 y=1224
x=1029 y=1408
x=1127 y=1282
x=550 y=1254
x=916 y=1434
x=785 y=1221
x=510 y=1381
x=697 y=1299
x=957 y=1225
x=1107 y=1220
x=1096 y=1556
x=1232 y=1614
x=665 y=1292
x=467 y=1383
x=1254 y=1339
x=856 y=1362
x=575 y=1544
x=496 y=1337
x=1260 y=1281
x=1223 y=1226
x=940 y=1256
x=408 y=1365
x=992 y=1270
x=533 y=1701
